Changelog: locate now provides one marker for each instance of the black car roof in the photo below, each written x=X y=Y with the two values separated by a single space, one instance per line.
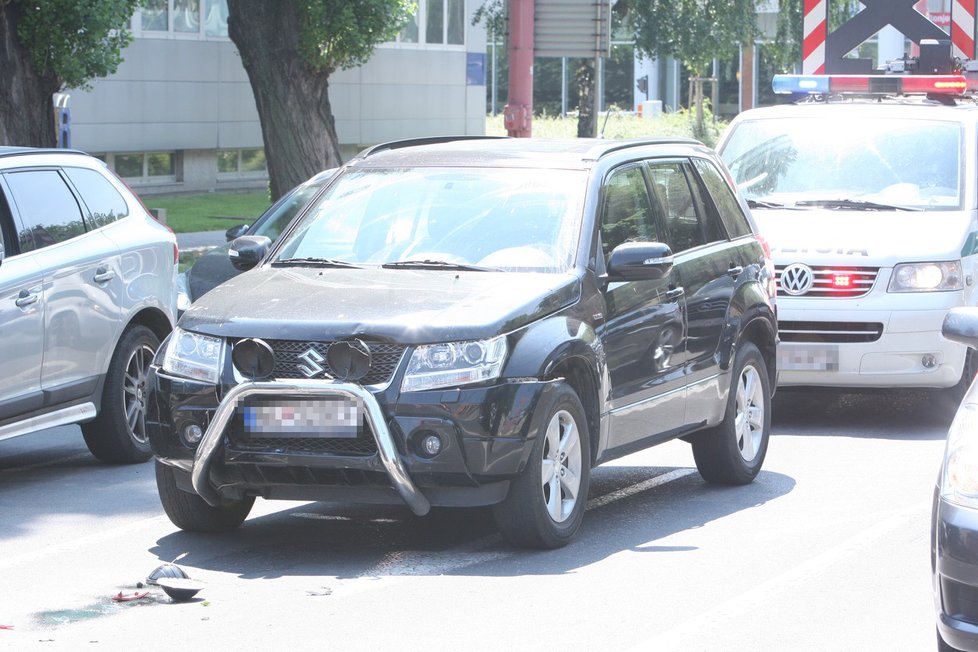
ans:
x=576 y=153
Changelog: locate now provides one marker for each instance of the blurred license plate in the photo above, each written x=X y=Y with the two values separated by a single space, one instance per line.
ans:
x=322 y=417
x=820 y=358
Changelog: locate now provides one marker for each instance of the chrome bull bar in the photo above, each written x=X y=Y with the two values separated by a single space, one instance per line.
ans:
x=210 y=444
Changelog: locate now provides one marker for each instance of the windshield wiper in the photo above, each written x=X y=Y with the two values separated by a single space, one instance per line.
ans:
x=313 y=262
x=436 y=264
x=854 y=204
x=760 y=203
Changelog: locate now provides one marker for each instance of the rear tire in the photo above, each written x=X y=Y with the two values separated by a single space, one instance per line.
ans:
x=545 y=504
x=732 y=452
x=191 y=512
x=118 y=433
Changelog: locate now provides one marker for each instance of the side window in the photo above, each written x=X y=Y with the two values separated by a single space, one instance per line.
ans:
x=48 y=211
x=104 y=202
x=8 y=234
x=686 y=226
x=723 y=198
x=626 y=213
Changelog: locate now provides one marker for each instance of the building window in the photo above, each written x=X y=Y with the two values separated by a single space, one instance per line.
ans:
x=241 y=161
x=443 y=21
x=186 y=18
x=148 y=167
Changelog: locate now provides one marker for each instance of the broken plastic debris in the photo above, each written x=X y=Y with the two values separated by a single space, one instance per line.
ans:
x=179 y=588
x=119 y=597
x=166 y=570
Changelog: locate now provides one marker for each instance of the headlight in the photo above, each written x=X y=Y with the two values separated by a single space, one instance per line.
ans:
x=926 y=277
x=960 y=481
x=454 y=363
x=193 y=356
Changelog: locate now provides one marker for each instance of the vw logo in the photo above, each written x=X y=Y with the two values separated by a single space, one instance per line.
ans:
x=797 y=278
x=309 y=364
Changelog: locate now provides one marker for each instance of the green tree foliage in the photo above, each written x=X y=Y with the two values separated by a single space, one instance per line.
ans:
x=693 y=31
x=75 y=40
x=47 y=46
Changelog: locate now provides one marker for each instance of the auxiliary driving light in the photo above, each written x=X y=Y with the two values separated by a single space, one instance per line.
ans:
x=192 y=434
x=430 y=445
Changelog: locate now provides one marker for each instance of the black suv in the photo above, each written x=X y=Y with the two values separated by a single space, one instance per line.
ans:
x=475 y=322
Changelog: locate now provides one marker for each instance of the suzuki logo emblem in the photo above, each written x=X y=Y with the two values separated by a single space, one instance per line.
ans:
x=797 y=279
x=310 y=366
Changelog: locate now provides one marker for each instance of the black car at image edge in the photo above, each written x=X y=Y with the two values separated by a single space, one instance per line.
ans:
x=465 y=322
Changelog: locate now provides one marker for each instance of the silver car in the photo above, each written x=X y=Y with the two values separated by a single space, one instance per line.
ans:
x=87 y=292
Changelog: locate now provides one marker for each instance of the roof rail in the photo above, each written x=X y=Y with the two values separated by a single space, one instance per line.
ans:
x=16 y=150
x=600 y=149
x=412 y=142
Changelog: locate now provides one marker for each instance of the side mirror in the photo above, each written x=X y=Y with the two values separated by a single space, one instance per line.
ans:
x=247 y=251
x=236 y=231
x=640 y=261
x=961 y=326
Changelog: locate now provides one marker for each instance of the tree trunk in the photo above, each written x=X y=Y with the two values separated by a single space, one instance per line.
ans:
x=291 y=96
x=585 y=103
x=26 y=112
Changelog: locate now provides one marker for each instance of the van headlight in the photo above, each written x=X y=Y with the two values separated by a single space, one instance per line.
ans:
x=454 y=363
x=959 y=484
x=193 y=355
x=926 y=277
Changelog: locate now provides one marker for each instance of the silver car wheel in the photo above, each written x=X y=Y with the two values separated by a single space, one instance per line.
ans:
x=134 y=391
x=561 y=472
x=749 y=421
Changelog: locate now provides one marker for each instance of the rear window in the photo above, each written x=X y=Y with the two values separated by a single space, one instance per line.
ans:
x=104 y=202
x=891 y=161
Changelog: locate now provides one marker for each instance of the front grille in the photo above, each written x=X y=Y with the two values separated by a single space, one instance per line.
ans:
x=384 y=360
x=829 y=331
x=858 y=281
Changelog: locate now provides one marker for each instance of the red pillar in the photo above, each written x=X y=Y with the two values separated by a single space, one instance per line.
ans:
x=518 y=112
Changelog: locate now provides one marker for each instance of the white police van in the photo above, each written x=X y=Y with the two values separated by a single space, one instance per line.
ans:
x=867 y=195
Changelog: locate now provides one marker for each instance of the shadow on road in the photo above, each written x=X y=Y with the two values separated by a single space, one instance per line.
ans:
x=319 y=540
x=892 y=414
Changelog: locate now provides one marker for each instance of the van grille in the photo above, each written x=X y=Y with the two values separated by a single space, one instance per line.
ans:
x=829 y=331
x=834 y=282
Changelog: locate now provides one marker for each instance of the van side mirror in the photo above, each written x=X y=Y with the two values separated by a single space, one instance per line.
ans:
x=961 y=326
x=248 y=250
x=236 y=231
x=640 y=261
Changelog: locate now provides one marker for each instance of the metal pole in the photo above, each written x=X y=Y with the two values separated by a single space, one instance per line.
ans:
x=563 y=86
x=518 y=114
x=494 y=90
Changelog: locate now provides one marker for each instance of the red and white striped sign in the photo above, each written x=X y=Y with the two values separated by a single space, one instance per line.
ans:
x=963 y=28
x=816 y=29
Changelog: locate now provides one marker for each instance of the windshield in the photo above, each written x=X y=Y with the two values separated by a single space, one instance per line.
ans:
x=878 y=163
x=444 y=218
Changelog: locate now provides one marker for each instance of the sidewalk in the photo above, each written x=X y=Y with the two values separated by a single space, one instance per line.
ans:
x=200 y=240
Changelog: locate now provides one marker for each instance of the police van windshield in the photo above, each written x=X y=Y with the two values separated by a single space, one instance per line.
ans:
x=873 y=163
x=494 y=219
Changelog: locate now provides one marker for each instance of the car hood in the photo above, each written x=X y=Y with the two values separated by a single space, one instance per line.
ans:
x=405 y=306
x=876 y=238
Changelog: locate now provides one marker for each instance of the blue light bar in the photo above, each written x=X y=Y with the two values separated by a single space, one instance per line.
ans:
x=788 y=84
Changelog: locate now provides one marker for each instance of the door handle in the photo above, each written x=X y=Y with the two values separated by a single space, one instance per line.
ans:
x=675 y=293
x=735 y=270
x=25 y=298
x=104 y=275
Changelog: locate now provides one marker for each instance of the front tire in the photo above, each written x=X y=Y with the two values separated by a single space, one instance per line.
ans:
x=190 y=512
x=732 y=452
x=545 y=504
x=118 y=433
